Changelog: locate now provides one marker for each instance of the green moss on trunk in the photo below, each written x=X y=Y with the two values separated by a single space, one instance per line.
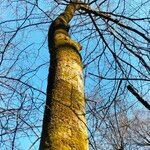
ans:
x=64 y=125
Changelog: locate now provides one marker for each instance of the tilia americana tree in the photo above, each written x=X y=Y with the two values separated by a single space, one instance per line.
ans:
x=64 y=124
x=114 y=35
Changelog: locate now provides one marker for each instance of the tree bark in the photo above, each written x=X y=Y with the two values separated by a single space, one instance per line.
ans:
x=64 y=125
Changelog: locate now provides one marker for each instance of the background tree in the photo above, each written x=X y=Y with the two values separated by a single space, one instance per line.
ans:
x=115 y=49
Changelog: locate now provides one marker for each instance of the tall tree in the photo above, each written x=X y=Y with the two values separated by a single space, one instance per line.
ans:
x=115 y=41
x=64 y=125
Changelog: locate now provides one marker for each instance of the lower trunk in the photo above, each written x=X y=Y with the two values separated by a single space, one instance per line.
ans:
x=64 y=125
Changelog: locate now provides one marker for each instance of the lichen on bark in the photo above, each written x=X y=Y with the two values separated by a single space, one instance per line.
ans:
x=64 y=125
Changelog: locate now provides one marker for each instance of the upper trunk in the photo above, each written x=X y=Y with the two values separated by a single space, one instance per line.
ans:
x=64 y=125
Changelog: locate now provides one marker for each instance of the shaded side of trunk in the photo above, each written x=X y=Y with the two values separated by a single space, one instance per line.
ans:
x=64 y=125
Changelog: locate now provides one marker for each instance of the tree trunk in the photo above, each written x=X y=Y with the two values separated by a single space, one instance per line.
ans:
x=64 y=125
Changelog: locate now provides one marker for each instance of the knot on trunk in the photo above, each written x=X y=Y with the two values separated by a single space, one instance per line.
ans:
x=58 y=37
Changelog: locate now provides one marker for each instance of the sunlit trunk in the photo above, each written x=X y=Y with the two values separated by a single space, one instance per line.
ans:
x=64 y=125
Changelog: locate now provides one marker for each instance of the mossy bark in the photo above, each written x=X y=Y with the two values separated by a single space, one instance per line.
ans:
x=64 y=125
